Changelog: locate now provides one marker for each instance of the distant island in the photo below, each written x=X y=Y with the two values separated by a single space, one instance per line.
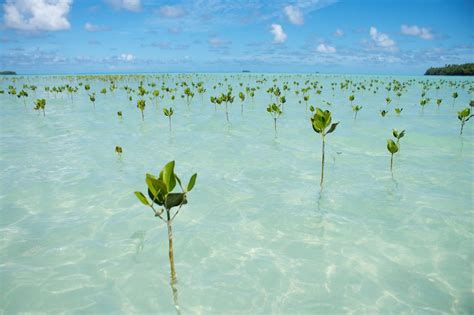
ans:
x=7 y=73
x=464 y=69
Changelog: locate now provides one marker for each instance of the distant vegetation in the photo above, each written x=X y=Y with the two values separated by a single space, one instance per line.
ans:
x=464 y=69
x=7 y=73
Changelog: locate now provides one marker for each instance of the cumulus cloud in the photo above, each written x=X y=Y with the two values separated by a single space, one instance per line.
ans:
x=324 y=48
x=294 y=14
x=339 y=33
x=37 y=15
x=126 y=57
x=129 y=5
x=382 y=40
x=279 y=36
x=421 y=32
x=171 y=11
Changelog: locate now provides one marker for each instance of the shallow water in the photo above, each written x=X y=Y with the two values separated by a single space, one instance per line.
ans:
x=258 y=236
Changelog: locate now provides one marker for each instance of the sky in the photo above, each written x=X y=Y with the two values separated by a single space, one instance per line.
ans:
x=326 y=36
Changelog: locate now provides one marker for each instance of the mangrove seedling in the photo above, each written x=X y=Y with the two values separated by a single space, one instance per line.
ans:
x=438 y=102
x=320 y=121
x=168 y=113
x=242 y=99
x=189 y=95
x=398 y=135
x=306 y=99
x=163 y=200
x=356 y=109
x=398 y=111
x=464 y=116
x=118 y=150
x=141 y=106
x=92 y=99
x=392 y=147
x=40 y=104
x=455 y=96
x=227 y=98
x=275 y=111
x=119 y=114
x=383 y=112
x=23 y=94
x=351 y=99
x=423 y=103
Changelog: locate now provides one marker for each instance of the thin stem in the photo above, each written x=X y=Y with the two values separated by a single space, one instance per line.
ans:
x=175 y=297
x=143 y=117
x=226 y=112
x=275 y=125
x=170 y=122
x=322 y=165
x=156 y=213
x=170 y=249
x=391 y=163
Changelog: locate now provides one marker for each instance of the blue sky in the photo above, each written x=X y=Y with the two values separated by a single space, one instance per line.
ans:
x=329 y=36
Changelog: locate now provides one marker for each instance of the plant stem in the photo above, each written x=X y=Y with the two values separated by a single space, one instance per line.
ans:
x=226 y=113
x=143 y=117
x=175 y=297
x=322 y=165
x=462 y=127
x=170 y=247
x=391 y=163
x=275 y=125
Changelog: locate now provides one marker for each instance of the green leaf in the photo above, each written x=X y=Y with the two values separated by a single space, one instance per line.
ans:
x=159 y=199
x=392 y=147
x=175 y=199
x=395 y=133
x=156 y=187
x=191 y=183
x=333 y=127
x=178 y=180
x=142 y=198
x=167 y=176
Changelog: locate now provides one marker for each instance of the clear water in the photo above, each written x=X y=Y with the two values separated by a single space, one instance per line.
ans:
x=257 y=236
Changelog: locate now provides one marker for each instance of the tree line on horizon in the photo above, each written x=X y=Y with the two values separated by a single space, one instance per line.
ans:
x=464 y=69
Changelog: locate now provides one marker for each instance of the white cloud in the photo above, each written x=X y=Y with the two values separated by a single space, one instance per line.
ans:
x=294 y=14
x=126 y=57
x=37 y=15
x=323 y=48
x=279 y=35
x=129 y=5
x=414 y=30
x=382 y=40
x=172 y=11
x=93 y=28
x=339 y=33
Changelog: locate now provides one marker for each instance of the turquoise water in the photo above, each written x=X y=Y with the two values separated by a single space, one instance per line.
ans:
x=258 y=236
